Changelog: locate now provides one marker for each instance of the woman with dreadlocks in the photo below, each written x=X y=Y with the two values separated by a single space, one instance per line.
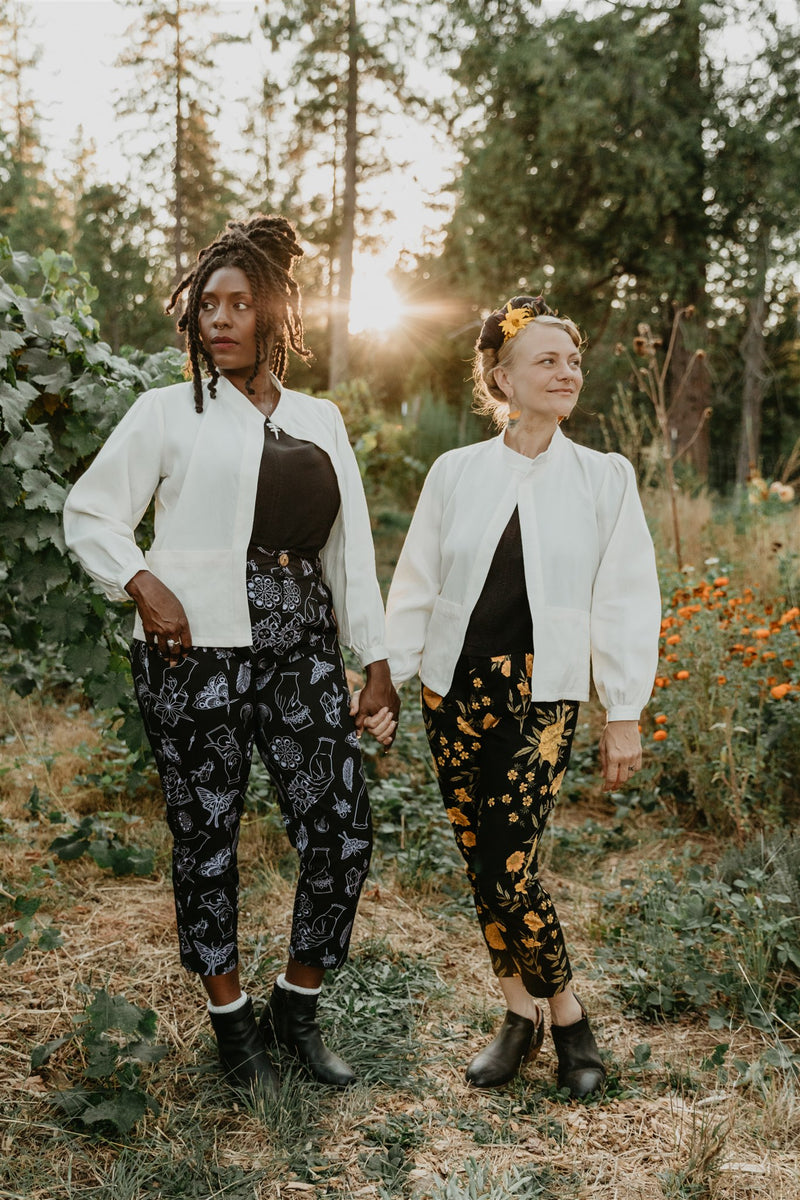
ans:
x=262 y=559
x=528 y=557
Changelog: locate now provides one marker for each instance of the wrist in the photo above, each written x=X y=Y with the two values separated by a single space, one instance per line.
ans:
x=378 y=670
x=134 y=585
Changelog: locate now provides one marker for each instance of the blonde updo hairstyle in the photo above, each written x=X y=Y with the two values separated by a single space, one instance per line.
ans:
x=497 y=345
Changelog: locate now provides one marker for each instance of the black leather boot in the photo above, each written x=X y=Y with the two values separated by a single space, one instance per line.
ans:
x=290 y=1020
x=579 y=1066
x=241 y=1051
x=519 y=1040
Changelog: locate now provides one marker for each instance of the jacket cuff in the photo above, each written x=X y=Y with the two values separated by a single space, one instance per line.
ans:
x=623 y=712
x=373 y=654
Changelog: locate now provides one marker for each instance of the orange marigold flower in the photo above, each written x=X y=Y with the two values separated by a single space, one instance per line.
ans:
x=660 y=719
x=721 y=581
x=788 y=662
x=767 y=655
x=660 y=735
x=763 y=632
x=722 y=679
x=789 y=616
x=671 y=658
x=682 y=675
x=673 y=639
x=661 y=681
x=780 y=690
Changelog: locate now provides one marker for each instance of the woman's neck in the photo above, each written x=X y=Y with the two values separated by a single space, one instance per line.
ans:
x=263 y=393
x=530 y=437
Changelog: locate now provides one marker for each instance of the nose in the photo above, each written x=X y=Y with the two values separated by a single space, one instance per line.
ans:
x=221 y=317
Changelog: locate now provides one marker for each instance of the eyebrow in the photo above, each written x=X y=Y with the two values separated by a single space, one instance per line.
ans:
x=238 y=293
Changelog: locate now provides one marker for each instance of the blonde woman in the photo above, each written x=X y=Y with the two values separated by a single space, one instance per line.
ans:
x=528 y=562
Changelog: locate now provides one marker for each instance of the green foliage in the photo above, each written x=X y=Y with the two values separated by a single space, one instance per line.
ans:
x=61 y=393
x=114 y=1040
x=383 y=447
x=683 y=937
x=28 y=929
x=95 y=836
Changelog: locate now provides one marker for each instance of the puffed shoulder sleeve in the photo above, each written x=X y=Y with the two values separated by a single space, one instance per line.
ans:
x=417 y=581
x=626 y=603
x=348 y=559
x=109 y=500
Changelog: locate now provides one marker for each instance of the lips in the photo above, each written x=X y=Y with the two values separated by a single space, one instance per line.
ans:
x=223 y=342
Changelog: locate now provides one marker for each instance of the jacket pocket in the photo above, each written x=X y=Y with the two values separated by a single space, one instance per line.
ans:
x=443 y=642
x=561 y=654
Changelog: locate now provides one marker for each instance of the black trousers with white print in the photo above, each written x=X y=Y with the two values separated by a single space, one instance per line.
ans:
x=288 y=695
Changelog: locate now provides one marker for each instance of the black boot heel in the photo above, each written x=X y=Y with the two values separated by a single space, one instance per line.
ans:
x=241 y=1051
x=290 y=1020
x=518 y=1040
x=580 y=1068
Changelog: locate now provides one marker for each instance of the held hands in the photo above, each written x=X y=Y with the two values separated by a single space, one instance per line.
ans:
x=376 y=707
x=166 y=626
x=620 y=753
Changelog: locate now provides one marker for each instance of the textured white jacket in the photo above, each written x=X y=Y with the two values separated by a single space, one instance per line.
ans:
x=203 y=470
x=589 y=570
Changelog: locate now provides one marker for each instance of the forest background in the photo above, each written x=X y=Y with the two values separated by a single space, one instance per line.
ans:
x=636 y=163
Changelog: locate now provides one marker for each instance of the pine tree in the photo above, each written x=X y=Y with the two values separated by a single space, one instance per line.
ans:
x=170 y=52
x=347 y=71
x=28 y=202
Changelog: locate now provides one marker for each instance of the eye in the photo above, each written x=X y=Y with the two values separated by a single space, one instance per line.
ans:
x=206 y=305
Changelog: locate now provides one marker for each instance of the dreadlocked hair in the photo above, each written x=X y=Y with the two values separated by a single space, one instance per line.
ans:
x=265 y=249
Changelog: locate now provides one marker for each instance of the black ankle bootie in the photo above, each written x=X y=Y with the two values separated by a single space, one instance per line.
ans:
x=241 y=1051
x=579 y=1066
x=519 y=1040
x=290 y=1020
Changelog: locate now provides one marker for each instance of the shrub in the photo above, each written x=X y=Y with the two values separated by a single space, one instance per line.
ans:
x=724 y=723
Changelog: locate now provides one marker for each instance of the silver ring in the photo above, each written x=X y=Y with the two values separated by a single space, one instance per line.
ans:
x=172 y=642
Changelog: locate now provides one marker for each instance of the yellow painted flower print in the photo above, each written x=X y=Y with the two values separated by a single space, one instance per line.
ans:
x=457 y=817
x=493 y=936
x=515 y=861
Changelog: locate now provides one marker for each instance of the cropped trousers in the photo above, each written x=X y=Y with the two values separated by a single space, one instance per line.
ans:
x=288 y=695
x=500 y=760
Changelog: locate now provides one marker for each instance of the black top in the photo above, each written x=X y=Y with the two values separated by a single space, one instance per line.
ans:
x=298 y=495
x=501 y=620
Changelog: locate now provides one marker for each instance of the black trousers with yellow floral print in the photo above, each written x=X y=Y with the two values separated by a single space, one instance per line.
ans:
x=500 y=761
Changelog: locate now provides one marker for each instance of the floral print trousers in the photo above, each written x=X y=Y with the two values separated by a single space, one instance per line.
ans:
x=288 y=694
x=500 y=760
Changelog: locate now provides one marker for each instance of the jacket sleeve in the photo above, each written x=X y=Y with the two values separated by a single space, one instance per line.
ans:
x=348 y=560
x=417 y=581
x=626 y=603
x=109 y=500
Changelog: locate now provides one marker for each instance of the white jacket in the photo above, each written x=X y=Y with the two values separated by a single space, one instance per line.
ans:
x=590 y=570
x=203 y=470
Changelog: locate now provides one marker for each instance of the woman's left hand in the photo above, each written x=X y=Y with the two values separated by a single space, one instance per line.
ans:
x=620 y=753
x=376 y=707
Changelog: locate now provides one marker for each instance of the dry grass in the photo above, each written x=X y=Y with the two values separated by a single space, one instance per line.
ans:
x=670 y=1129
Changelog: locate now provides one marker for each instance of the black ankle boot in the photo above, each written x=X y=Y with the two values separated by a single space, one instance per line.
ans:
x=241 y=1051
x=519 y=1040
x=579 y=1066
x=290 y=1020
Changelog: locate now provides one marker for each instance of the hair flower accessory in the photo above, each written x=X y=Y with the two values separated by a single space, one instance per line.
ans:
x=515 y=319
x=505 y=322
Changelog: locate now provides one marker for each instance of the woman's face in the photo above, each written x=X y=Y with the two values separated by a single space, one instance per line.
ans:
x=543 y=377
x=227 y=321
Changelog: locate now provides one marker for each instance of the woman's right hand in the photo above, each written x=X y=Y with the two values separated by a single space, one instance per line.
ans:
x=165 y=624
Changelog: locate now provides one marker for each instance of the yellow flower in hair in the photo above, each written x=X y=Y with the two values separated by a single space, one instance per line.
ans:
x=514 y=320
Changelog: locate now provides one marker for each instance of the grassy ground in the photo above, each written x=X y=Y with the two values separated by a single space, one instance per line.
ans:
x=412 y=1006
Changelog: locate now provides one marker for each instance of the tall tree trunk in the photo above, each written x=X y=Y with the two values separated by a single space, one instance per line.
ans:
x=755 y=368
x=177 y=174
x=340 y=314
x=690 y=386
